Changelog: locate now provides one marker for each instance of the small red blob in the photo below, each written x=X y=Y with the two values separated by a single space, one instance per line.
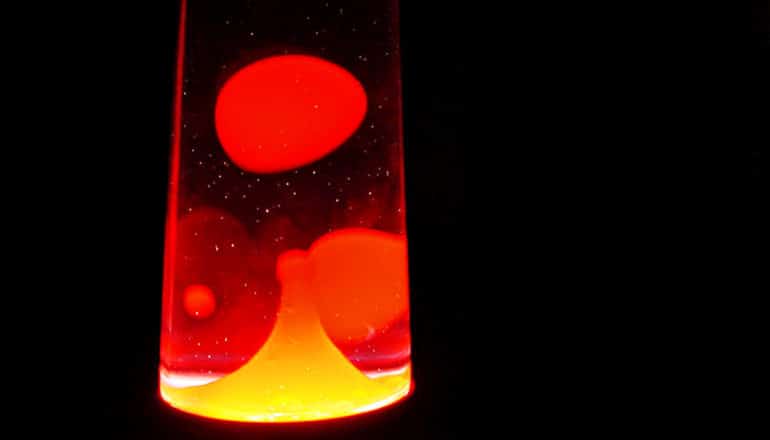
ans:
x=199 y=301
x=287 y=111
x=213 y=249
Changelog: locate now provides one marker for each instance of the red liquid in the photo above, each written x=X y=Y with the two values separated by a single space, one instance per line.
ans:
x=226 y=299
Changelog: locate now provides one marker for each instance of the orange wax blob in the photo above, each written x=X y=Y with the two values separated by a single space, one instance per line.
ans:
x=287 y=111
x=361 y=281
x=199 y=301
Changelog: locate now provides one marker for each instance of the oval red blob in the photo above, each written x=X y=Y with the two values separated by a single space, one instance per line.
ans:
x=287 y=111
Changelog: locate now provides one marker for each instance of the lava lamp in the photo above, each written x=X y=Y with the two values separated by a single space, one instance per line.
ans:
x=285 y=291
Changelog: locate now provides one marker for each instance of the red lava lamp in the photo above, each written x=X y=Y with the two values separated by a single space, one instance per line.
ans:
x=285 y=293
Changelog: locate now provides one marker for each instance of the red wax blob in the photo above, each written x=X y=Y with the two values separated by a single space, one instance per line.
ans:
x=199 y=301
x=221 y=276
x=287 y=111
x=360 y=281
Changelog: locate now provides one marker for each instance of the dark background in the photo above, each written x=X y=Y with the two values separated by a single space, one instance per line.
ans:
x=575 y=173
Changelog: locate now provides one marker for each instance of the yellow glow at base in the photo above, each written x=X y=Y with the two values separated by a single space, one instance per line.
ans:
x=298 y=375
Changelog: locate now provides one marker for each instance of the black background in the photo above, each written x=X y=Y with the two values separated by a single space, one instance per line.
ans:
x=573 y=171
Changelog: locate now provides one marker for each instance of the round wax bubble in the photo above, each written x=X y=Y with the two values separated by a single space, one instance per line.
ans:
x=199 y=301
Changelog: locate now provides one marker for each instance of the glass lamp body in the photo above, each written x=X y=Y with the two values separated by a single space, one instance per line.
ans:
x=285 y=293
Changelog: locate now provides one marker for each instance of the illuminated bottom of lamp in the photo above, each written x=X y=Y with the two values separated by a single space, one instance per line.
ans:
x=298 y=375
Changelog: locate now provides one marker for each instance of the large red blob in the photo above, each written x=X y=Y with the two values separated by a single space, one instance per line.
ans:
x=359 y=279
x=286 y=111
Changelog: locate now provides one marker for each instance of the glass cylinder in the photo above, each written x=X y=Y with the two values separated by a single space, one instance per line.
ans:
x=285 y=292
